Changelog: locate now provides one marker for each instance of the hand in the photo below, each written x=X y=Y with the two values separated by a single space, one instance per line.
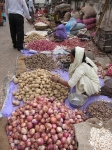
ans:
x=29 y=20
x=54 y=78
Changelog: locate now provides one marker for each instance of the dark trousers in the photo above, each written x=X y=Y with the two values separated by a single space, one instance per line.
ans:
x=16 y=23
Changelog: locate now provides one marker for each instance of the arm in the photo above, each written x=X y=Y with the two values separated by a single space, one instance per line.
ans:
x=73 y=81
x=61 y=81
x=25 y=8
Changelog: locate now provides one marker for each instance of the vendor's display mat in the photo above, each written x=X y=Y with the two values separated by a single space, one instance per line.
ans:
x=8 y=108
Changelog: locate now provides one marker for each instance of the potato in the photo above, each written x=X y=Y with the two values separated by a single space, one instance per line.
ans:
x=15 y=80
x=19 y=98
x=58 y=87
x=15 y=102
x=38 y=91
x=13 y=93
x=55 y=92
x=43 y=82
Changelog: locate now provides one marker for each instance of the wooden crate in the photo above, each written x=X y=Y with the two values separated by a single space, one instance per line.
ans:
x=103 y=39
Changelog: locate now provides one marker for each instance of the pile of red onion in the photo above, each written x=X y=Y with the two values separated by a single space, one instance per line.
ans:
x=43 y=125
x=42 y=45
x=71 y=43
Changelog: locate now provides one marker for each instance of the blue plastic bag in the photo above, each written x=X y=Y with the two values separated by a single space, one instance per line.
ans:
x=70 y=24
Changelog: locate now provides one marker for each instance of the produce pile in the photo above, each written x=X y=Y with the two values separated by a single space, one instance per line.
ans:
x=40 y=24
x=43 y=125
x=101 y=139
x=36 y=83
x=42 y=45
x=101 y=110
x=71 y=43
x=40 y=60
x=32 y=37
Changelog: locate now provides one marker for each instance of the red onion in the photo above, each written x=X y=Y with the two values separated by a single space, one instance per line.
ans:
x=21 y=145
x=27 y=112
x=34 y=104
x=45 y=138
x=63 y=140
x=32 y=111
x=23 y=124
x=45 y=108
x=37 y=128
x=24 y=137
x=54 y=126
x=53 y=120
x=66 y=134
x=48 y=126
x=28 y=143
x=41 y=147
x=37 y=135
x=40 y=141
x=60 y=135
x=58 y=143
x=54 y=138
x=59 y=129
x=42 y=128
x=50 y=147
x=32 y=131
x=58 y=117
x=29 y=125
x=43 y=120
x=38 y=117
x=50 y=111
x=29 y=118
x=34 y=121
x=10 y=128
x=53 y=131
x=24 y=131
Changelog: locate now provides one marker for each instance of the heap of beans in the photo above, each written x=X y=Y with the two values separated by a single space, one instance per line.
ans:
x=40 y=60
x=101 y=110
x=32 y=37
x=43 y=125
x=42 y=45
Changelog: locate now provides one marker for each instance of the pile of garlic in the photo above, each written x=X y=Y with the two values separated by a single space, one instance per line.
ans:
x=101 y=139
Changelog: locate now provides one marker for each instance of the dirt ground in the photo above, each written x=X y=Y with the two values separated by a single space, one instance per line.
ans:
x=8 y=56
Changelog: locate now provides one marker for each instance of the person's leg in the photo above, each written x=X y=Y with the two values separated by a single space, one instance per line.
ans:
x=12 y=26
x=20 y=31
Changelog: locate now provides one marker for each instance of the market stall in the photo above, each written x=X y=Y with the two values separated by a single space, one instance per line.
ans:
x=42 y=114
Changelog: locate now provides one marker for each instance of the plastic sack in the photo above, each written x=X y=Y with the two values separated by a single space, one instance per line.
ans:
x=78 y=27
x=109 y=71
x=70 y=24
x=90 y=26
x=89 y=21
x=79 y=21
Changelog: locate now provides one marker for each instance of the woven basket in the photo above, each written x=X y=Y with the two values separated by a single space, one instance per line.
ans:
x=40 y=27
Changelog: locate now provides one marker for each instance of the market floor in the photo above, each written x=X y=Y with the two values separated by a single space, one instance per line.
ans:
x=8 y=56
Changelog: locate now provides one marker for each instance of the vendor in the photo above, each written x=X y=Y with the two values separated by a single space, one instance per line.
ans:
x=60 y=33
x=82 y=73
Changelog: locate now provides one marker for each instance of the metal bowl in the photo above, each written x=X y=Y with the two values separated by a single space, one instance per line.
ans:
x=76 y=100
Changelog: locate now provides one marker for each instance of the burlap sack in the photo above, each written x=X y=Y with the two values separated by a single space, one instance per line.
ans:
x=82 y=132
x=88 y=12
x=21 y=67
x=4 y=143
x=67 y=16
x=77 y=15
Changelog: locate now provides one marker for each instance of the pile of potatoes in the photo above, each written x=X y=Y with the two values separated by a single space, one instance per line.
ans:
x=32 y=37
x=37 y=83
